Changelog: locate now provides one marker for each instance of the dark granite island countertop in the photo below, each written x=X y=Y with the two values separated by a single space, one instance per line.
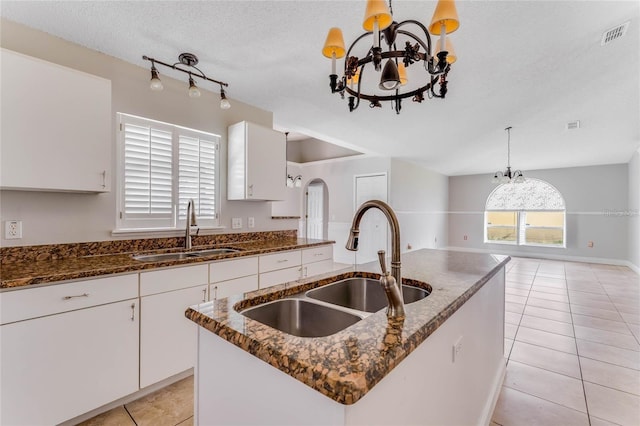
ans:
x=347 y=365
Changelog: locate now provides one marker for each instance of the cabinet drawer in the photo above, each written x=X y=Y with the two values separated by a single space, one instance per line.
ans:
x=229 y=269
x=317 y=254
x=154 y=282
x=280 y=260
x=280 y=276
x=28 y=303
x=236 y=286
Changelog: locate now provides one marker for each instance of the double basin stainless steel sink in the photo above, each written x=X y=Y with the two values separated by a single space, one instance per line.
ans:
x=182 y=255
x=329 y=309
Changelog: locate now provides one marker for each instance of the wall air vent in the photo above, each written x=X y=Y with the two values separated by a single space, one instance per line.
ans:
x=614 y=33
x=572 y=125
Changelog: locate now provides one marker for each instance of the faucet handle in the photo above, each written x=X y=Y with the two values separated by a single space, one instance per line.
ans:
x=381 y=258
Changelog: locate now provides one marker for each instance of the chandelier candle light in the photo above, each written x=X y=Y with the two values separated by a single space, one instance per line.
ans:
x=189 y=60
x=508 y=176
x=394 y=83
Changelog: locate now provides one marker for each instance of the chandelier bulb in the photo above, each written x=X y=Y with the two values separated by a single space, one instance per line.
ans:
x=224 y=102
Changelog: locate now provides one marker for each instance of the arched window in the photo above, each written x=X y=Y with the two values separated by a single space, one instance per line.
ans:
x=528 y=213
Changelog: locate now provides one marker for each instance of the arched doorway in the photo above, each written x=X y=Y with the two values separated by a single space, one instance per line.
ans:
x=316 y=210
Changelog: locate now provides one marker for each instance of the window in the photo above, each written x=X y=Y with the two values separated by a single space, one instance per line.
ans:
x=162 y=167
x=529 y=213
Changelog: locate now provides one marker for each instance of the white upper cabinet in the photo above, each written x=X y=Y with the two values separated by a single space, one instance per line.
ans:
x=257 y=163
x=56 y=127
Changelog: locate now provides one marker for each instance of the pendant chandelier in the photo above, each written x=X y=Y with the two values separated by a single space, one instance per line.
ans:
x=508 y=176
x=367 y=78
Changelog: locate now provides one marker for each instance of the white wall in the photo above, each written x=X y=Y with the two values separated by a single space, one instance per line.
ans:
x=634 y=210
x=594 y=196
x=418 y=196
x=50 y=218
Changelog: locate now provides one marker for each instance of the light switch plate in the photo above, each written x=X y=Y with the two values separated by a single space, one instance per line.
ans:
x=236 y=223
x=251 y=222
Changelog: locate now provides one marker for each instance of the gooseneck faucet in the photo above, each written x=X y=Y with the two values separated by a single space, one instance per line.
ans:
x=191 y=221
x=352 y=241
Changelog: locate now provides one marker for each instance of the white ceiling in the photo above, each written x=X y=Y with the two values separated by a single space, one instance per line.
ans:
x=533 y=65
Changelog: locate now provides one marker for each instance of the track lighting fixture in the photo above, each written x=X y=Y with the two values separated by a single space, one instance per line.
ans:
x=189 y=60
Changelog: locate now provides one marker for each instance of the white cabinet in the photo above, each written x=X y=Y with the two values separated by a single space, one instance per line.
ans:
x=62 y=365
x=257 y=163
x=317 y=260
x=280 y=267
x=56 y=127
x=229 y=277
x=167 y=337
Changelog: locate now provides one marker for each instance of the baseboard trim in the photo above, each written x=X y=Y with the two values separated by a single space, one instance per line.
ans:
x=487 y=414
x=129 y=398
x=583 y=259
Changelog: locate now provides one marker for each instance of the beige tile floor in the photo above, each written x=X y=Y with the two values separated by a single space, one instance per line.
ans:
x=572 y=344
x=572 y=333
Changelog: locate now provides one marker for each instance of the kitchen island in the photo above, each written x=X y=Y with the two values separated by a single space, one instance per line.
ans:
x=442 y=364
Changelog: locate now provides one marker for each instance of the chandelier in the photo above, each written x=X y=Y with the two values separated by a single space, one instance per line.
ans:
x=427 y=65
x=508 y=176
x=188 y=60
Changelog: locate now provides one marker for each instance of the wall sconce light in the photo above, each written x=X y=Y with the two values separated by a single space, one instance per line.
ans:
x=294 y=181
x=189 y=60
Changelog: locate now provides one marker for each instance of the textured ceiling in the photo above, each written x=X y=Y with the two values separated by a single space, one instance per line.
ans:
x=533 y=65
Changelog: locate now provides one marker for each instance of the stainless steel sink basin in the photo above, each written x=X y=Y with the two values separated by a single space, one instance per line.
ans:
x=301 y=318
x=362 y=294
x=209 y=252
x=182 y=255
x=164 y=256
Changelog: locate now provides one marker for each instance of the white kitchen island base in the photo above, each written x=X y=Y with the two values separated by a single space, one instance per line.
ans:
x=234 y=387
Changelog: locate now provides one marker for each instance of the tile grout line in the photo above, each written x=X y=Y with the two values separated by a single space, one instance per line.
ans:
x=130 y=415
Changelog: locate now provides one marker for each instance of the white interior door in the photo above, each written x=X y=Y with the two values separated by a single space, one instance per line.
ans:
x=373 y=227
x=315 y=209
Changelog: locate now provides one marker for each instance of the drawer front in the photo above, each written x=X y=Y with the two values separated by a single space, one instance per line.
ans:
x=317 y=254
x=280 y=260
x=230 y=269
x=317 y=268
x=231 y=287
x=163 y=280
x=280 y=276
x=28 y=303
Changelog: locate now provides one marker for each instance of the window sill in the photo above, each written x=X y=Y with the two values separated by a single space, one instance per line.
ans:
x=163 y=232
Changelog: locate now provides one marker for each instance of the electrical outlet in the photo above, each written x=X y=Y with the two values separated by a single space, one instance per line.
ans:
x=251 y=222
x=456 y=350
x=465 y=238
x=590 y=244
x=236 y=223
x=409 y=247
x=13 y=229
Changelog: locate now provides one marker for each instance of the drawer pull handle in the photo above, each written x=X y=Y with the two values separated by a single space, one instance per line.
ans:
x=283 y=260
x=73 y=297
x=204 y=295
x=133 y=312
x=319 y=254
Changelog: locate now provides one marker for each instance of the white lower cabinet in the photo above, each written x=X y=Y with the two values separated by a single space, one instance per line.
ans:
x=60 y=366
x=269 y=279
x=230 y=287
x=235 y=276
x=317 y=268
x=167 y=337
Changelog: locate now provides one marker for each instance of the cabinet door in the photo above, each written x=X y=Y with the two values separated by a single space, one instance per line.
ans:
x=58 y=367
x=224 y=289
x=266 y=163
x=317 y=268
x=281 y=276
x=56 y=134
x=279 y=260
x=167 y=337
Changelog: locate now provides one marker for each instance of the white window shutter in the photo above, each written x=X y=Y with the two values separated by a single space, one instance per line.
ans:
x=197 y=171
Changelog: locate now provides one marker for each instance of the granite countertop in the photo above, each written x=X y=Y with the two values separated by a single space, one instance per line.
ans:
x=346 y=365
x=18 y=274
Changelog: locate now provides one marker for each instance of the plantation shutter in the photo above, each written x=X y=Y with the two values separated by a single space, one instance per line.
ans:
x=197 y=172
x=147 y=171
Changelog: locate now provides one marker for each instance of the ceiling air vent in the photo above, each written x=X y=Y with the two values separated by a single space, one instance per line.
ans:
x=614 y=33
x=572 y=125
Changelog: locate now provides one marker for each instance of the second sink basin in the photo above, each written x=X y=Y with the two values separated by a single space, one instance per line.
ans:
x=301 y=318
x=362 y=294
x=164 y=256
